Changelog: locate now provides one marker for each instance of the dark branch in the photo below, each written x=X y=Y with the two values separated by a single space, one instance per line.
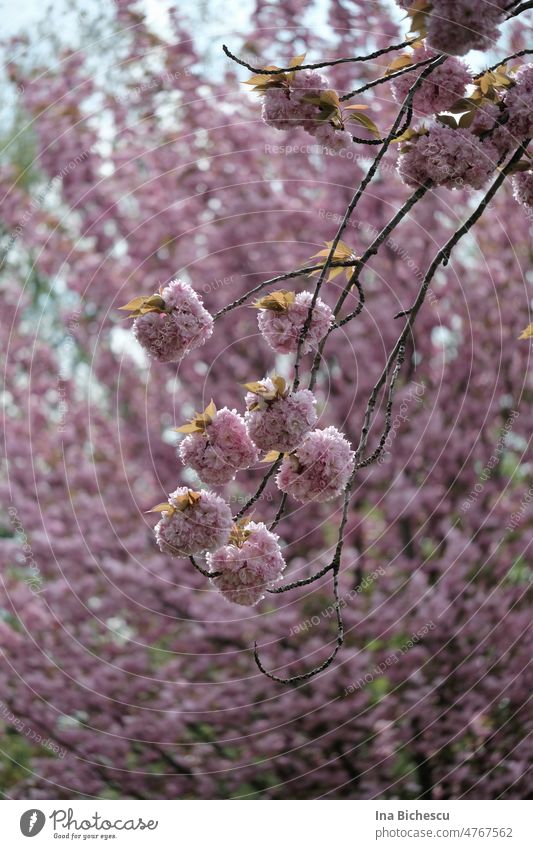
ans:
x=272 y=471
x=314 y=66
x=386 y=78
x=205 y=572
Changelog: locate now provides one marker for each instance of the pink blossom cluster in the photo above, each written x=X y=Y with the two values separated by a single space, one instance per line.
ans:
x=319 y=469
x=288 y=107
x=492 y=118
x=451 y=157
x=203 y=525
x=248 y=569
x=185 y=324
x=282 y=330
x=332 y=138
x=518 y=100
x=280 y=424
x=523 y=188
x=457 y=26
x=446 y=84
x=220 y=450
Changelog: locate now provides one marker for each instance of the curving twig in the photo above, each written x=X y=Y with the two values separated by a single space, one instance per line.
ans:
x=205 y=572
x=305 y=676
x=313 y=66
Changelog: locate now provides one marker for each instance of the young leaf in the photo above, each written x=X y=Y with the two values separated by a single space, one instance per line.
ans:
x=448 y=121
x=279 y=383
x=527 y=333
x=401 y=61
x=189 y=499
x=199 y=421
x=271 y=457
x=136 y=303
x=164 y=507
x=276 y=301
x=366 y=122
x=297 y=60
x=143 y=304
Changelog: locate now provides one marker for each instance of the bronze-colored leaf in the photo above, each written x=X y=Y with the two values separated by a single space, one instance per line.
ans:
x=144 y=304
x=190 y=427
x=256 y=387
x=335 y=272
x=401 y=61
x=164 y=507
x=136 y=303
x=527 y=333
x=189 y=499
x=366 y=122
x=199 y=421
x=279 y=383
x=410 y=134
x=342 y=253
x=461 y=105
x=448 y=121
x=271 y=457
x=276 y=301
x=297 y=60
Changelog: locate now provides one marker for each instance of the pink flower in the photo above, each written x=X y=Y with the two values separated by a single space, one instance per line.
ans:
x=195 y=522
x=282 y=329
x=450 y=157
x=490 y=118
x=319 y=469
x=185 y=324
x=220 y=450
x=457 y=26
x=519 y=102
x=445 y=85
x=248 y=565
x=287 y=106
x=523 y=188
x=280 y=424
x=332 y=138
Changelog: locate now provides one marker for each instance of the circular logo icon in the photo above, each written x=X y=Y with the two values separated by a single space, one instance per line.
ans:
x=32 y=822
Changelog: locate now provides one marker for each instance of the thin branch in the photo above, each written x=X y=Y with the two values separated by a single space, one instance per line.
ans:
x=303 y=582
x=528 y=4
x=314 y=66
x=205 y=572
x=388 y=413
x=386 y=78
x=439 y=258
x=387 y=139
x=376 y=244
x=289 y=275
x=359 y=265
x=335 y=566
x=280 y=512
x=508 y=59
x=367 y=179
x=272 y=471
x=305 y=676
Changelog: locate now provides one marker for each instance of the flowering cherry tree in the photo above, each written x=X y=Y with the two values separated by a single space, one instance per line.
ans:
x=294 y=262
x=479 y=128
